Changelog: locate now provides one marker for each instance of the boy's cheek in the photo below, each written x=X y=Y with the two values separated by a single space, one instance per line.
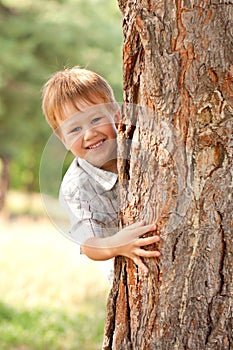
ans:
x=76 y=150
x=72 y=142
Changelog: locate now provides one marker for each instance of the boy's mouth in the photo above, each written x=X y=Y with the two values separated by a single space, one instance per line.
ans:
x=95 y=145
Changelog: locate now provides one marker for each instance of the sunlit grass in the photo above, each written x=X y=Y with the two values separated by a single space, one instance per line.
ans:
x=39 y=329
x=50 y=297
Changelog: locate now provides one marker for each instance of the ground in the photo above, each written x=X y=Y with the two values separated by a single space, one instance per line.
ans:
x=42 y=269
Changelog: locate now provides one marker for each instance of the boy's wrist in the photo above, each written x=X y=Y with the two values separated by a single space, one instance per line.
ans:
x=101 y=248
x=111 y=247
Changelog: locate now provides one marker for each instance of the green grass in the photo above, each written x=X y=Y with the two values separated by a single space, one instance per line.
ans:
x=51 y=298
x=40 y=329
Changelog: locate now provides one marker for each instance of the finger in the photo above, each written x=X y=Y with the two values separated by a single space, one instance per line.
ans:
x=148 y=240
x=139 y=231
x=135 y=225
x=140 y=265
x=147 y=253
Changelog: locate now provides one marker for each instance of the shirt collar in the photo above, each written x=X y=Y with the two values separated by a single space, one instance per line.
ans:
x=106 y=179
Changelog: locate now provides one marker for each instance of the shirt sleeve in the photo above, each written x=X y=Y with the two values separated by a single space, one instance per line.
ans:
x=83 y=226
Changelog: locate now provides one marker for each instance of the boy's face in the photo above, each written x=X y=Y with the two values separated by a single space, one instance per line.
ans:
x=91 y=135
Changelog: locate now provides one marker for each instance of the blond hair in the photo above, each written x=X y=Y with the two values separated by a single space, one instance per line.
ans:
x=73 y=87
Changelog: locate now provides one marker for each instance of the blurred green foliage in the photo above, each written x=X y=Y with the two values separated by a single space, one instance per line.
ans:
x=38 y=38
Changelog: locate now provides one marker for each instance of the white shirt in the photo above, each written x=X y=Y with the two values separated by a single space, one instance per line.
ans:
x=90 y=195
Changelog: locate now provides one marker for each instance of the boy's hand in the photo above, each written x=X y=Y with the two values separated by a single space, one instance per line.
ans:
x=127 y=242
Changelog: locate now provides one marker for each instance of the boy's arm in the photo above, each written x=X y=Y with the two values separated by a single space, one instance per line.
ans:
x=126 y=242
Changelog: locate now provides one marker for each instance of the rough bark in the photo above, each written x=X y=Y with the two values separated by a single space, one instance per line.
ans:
x=178 y=63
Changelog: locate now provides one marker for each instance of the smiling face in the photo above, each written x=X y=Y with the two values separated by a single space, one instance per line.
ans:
x=91 y=134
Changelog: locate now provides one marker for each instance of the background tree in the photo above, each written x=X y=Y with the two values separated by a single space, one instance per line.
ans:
x=178 y=63
x=38 y=38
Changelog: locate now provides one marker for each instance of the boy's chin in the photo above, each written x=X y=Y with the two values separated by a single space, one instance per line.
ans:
x=109 y=165
x=102 y=161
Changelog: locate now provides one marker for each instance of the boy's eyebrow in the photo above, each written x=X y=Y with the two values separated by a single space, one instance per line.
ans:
x=71 y=122
x=89 y=112
x=68 y=124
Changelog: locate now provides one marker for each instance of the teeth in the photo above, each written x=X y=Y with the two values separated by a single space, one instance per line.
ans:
x=96 y=145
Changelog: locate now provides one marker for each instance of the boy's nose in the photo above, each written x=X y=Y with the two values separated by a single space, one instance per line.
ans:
x=89 y=133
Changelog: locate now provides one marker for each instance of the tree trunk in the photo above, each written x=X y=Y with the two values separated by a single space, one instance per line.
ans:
x=177 y=171
x=4 y=180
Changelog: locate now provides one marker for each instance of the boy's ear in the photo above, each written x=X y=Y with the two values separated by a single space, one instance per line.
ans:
x=59 y=134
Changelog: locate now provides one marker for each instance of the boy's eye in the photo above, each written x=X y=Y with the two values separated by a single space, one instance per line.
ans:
x=96 y=120
x=77 y=129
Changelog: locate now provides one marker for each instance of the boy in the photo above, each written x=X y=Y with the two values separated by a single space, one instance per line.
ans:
x=80 y=107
